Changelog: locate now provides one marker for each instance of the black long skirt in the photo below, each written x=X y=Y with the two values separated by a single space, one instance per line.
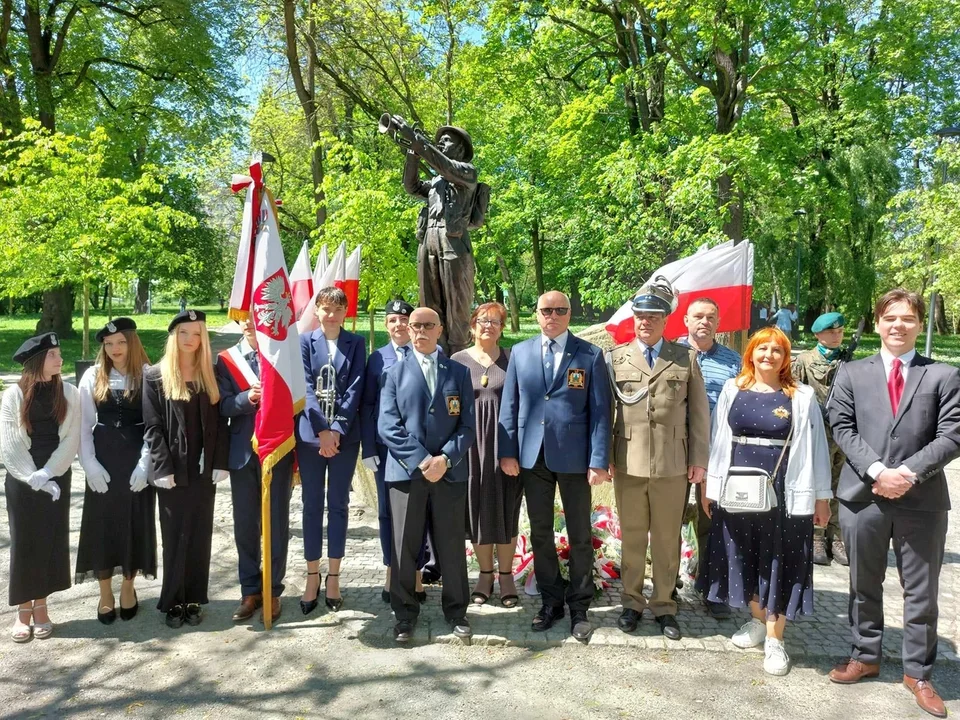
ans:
x=39 y=539
x=186 y=529
x=118 y=531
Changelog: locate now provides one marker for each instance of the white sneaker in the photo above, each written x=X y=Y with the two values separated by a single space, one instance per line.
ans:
x=750 y=634
x=776 y=660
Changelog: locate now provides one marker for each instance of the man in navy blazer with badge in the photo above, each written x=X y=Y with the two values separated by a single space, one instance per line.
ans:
x=555 y=432
x=238 y=377
x=427 y=423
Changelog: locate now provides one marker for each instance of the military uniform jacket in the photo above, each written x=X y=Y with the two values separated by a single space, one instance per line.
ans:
x=811 y=368
x=669 y=428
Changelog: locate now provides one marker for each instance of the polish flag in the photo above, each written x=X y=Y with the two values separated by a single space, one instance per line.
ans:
x=723 y=273
x=301 y=281
x=240 y=293
x=334 y=275
x=322 y=262
x=350 y=282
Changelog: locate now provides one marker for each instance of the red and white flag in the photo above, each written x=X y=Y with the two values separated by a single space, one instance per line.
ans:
x=333 y=276
x=723 y=273
x=350 y=283
x=281 y=365
x=301 y=281
x=240 y=294
x=323 y=260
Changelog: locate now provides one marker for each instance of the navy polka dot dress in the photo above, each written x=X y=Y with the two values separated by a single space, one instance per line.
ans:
x=767 y=555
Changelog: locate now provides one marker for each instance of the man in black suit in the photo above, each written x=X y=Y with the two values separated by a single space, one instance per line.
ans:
x=893 y=487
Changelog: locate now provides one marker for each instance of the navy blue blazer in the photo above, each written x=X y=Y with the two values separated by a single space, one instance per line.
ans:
x=569 y=420
x=414 y=426
x=349 y=364
x=241 y=413
x=380 y=360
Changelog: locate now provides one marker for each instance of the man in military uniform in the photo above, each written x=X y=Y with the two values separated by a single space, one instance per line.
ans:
x=818 y=368
x=661 y=440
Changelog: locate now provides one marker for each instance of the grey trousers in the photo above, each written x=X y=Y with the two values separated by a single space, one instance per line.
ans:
x=447 y=286
x=918 y=542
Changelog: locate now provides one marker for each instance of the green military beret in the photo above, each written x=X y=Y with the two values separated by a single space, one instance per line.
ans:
x=828 y=321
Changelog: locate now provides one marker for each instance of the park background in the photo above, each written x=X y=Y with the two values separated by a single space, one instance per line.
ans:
x=616 y=136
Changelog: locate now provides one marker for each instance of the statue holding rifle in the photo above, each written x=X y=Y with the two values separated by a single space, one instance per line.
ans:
x=455 y=204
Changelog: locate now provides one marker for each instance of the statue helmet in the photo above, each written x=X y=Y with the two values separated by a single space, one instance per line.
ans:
x=657 y=295
x=462 y=135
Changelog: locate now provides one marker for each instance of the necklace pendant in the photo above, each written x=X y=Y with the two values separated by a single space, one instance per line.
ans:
x=484 y=380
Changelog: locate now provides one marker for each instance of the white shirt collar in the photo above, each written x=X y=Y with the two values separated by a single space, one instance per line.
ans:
x=245 y=347
x=657 y=346
x=420 y=356
x=560 y=340
x=887 y=357
x=396 y=348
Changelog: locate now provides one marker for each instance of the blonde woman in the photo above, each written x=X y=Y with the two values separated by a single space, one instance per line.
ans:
x=118 y=531
x=39 y=435
x=188 y=443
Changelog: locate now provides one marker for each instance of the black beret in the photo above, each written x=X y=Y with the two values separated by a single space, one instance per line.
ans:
x=398 y=307
x=187 y=316
x=36 y=345
x=114 y=326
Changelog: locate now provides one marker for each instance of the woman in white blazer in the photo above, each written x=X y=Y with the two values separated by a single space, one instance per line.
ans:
x=39 y=437
x=764 y=561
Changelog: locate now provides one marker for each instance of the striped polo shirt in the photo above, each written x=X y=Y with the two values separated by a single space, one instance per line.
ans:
x=718 y=364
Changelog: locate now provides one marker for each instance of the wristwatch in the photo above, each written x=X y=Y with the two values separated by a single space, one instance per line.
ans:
x=449 y=462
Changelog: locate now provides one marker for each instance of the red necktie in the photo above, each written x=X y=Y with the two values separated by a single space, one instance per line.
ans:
x=895 y=385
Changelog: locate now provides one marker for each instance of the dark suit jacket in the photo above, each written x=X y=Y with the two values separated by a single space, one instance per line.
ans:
x=349 y=364
x=240 y=413
x=924 y=436
x=164 y=432
x=413 y=425
x=570 y=419
x=380 y=360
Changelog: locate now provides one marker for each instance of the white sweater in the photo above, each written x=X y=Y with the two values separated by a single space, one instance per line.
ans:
x=15 y=442
x=808 y=463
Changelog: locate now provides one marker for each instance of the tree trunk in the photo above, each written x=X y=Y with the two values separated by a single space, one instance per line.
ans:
x=940 y=317
x=57 y=312
x=140 y=306
x=537 y=255
x=511 y=288
x=576 y=305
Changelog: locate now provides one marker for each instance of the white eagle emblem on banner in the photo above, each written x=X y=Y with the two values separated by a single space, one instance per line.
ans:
x=273 y=306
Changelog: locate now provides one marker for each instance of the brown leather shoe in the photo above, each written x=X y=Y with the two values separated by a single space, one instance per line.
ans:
x=275 y=602
x=927 y=697
x=853 y=671
x=247 y=607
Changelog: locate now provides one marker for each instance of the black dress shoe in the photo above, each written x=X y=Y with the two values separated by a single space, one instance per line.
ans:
x=308 y=606
x=403 y=631
x=193 y=614
x=669 y=627
x=628 y=620
x=580 y=627
x=461 y=628
x=130 y=612
x=385 y=596
x=718 y=611
x=175 y=617
x=428 y=577
x=545 y=619
x=107 y=617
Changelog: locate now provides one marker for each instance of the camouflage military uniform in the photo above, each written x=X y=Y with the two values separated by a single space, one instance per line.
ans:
x=811 y=368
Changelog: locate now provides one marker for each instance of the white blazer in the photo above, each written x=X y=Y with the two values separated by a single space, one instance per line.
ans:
x=15 y=442
x=808 y=463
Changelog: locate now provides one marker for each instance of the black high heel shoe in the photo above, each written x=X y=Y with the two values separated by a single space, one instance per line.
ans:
x=107 y=617
x=130 y=612
x=509 y=601
x=308 y=606
x=479 y=598
x=332 y=603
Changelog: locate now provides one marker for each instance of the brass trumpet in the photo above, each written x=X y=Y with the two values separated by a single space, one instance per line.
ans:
x=326 y=390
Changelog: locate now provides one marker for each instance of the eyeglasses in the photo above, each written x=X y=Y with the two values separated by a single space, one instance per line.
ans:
x=492 y=322
x=547 y=312
x=422 y=326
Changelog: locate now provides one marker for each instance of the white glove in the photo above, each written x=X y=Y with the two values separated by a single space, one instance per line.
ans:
x=51 y=487
x=220 y=475
x=371 y=463
x=40 y=478
x=166 y=483
x=98 y=479
x=138 y=478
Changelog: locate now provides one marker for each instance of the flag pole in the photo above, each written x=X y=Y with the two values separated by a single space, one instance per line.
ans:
x=266 y=536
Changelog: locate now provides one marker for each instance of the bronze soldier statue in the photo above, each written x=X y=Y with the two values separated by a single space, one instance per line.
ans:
x=818 y=369
x=455 y=205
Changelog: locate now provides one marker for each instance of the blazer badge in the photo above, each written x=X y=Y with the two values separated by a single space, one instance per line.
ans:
x=453 y=405
x=575 y=378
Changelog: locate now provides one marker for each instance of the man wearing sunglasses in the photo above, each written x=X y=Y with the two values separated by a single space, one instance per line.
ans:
x=427 y=423
x=555 y=433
